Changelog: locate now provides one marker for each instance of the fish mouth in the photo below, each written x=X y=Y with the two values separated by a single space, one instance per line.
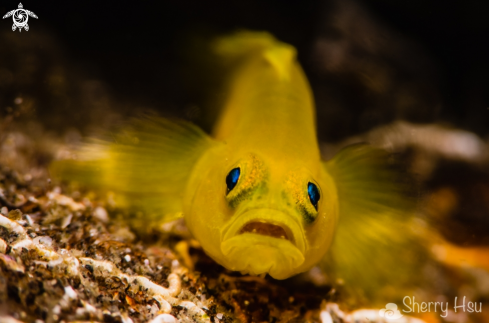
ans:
x=263 y=240
x=268 y=229
x=266 y=222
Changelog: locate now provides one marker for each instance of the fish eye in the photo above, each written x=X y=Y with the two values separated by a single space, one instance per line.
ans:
x=232 y=178
x=314 y=195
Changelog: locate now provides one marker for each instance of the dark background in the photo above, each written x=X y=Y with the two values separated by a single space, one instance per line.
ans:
x=435 y=51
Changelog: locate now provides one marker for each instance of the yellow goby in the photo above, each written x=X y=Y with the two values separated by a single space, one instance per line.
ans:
x=280 y=216
x=256 y=194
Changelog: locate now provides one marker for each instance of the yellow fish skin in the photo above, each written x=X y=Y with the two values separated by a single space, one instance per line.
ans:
x=256 y=194
x=268 y=127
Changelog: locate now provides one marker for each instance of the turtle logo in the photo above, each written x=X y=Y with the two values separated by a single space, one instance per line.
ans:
x=20 y=16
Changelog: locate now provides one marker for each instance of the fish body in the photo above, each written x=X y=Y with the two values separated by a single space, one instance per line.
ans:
x=255 y=193
x=267 y=128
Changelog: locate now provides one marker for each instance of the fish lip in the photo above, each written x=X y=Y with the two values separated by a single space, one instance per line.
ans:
x=288 y=232
x=273 y=216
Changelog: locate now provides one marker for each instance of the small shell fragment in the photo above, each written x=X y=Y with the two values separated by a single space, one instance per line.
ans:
x=3 y=246
x=325 y=317
x=101 y=214
x=164 y=318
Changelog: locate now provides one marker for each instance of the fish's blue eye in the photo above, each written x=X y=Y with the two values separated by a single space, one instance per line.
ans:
x=314 y=195
x=232 y=178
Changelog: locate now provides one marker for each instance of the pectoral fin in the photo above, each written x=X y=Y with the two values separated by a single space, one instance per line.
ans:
x=375 y=250
x=146 y=166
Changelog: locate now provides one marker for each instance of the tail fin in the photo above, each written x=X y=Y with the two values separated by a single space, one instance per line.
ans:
x=147 y=166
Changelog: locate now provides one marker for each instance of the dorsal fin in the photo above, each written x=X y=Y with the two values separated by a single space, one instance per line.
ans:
x=281 y=57
x=242 y=44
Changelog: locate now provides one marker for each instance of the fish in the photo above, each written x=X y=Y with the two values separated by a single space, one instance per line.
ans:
x=255 y=192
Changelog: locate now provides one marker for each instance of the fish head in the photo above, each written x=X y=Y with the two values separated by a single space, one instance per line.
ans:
x=257 y=215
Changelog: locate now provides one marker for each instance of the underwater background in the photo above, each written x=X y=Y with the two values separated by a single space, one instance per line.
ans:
x=410 y=76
